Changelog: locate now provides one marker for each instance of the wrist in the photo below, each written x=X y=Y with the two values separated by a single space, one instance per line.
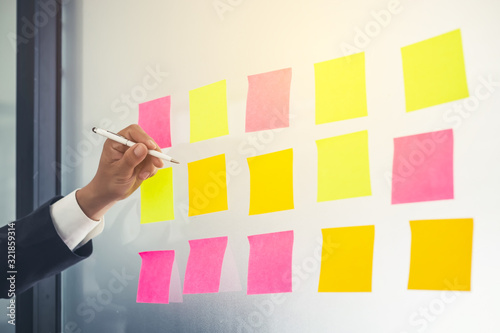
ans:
x=92 y=203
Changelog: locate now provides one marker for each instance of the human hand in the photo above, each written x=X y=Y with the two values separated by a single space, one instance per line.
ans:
x=121 y=171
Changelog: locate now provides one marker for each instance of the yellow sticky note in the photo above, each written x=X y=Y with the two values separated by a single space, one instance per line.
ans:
x=208 y=112
x=340 y=89
x=441 y=254
x=271 y=182
x=157 y=197
x=434 y=71
x=343 y=167
x=347 y=259
x=207 y=185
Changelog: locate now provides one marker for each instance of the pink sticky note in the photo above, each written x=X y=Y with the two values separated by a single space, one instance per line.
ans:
x=154 y=278
x=268 y=100
x=270 y=263
x=154 y=118
x=423 y=167
x=204 y=265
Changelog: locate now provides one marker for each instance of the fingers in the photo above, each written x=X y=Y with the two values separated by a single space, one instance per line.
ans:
x=132 y=158
x=136 y=133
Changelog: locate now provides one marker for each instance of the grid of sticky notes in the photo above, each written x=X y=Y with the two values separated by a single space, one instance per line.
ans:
x=422 y=171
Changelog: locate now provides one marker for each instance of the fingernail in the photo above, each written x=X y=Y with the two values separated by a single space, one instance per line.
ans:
x=144 y=175
x=152 y=144
x=139 y=151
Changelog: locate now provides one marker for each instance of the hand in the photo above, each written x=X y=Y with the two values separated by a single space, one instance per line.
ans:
x=121 y=171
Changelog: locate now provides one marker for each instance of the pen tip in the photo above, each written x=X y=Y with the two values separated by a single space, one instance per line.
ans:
x=94 y=129
x=174 y=161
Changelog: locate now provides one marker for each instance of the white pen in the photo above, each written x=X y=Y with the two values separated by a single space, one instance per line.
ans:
x=124 y=141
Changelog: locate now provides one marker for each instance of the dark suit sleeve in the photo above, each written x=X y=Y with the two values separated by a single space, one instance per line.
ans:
x=39 y=251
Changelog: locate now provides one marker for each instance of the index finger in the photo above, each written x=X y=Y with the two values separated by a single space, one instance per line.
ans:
x=138 y=135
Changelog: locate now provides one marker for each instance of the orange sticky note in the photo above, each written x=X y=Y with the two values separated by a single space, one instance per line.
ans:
x=271 y=182
x=441 y=254
x=207 y=185
x=347 y=259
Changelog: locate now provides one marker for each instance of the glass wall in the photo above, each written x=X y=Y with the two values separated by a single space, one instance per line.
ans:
x=7 y=127
x=120 y=53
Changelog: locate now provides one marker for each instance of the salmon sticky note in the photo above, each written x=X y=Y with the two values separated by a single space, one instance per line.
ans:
x=423 y=167
x=154 y=278
x=343 y=167
x=204 y=265
x=441 y=254
x=157 y=197
x=207 y=185
x=270 y=263
x=271 y=182
x=434 y=71
x=268 y=100
x=154 y=118
x=208 y=112
x=340 y=89
x=347 y=259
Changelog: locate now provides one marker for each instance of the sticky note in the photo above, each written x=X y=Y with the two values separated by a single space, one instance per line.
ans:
x=434 y=71
x=340 y=89
x=154 y=118
x=423 y=167
x=203 y=270
x=157 y=197
x=208 y=112
x=207 y=185
x=268 y=100
x=441 y=254
x=154 y=277
x=270 y=263
x=347 y=259
x=343 y=167
x=271 y=182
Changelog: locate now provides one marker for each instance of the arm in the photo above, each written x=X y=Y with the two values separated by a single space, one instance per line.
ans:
x=40 y=251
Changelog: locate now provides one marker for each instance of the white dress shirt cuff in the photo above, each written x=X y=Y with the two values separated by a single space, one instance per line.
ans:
x=71 y=223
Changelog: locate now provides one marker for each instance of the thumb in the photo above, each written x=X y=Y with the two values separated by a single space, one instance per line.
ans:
x=132 y=157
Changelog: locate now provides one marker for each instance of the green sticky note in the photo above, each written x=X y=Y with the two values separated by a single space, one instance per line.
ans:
x=340 y=89
x=157 y=197
x=343 y=167
x=208 y=112
x=434 y=71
